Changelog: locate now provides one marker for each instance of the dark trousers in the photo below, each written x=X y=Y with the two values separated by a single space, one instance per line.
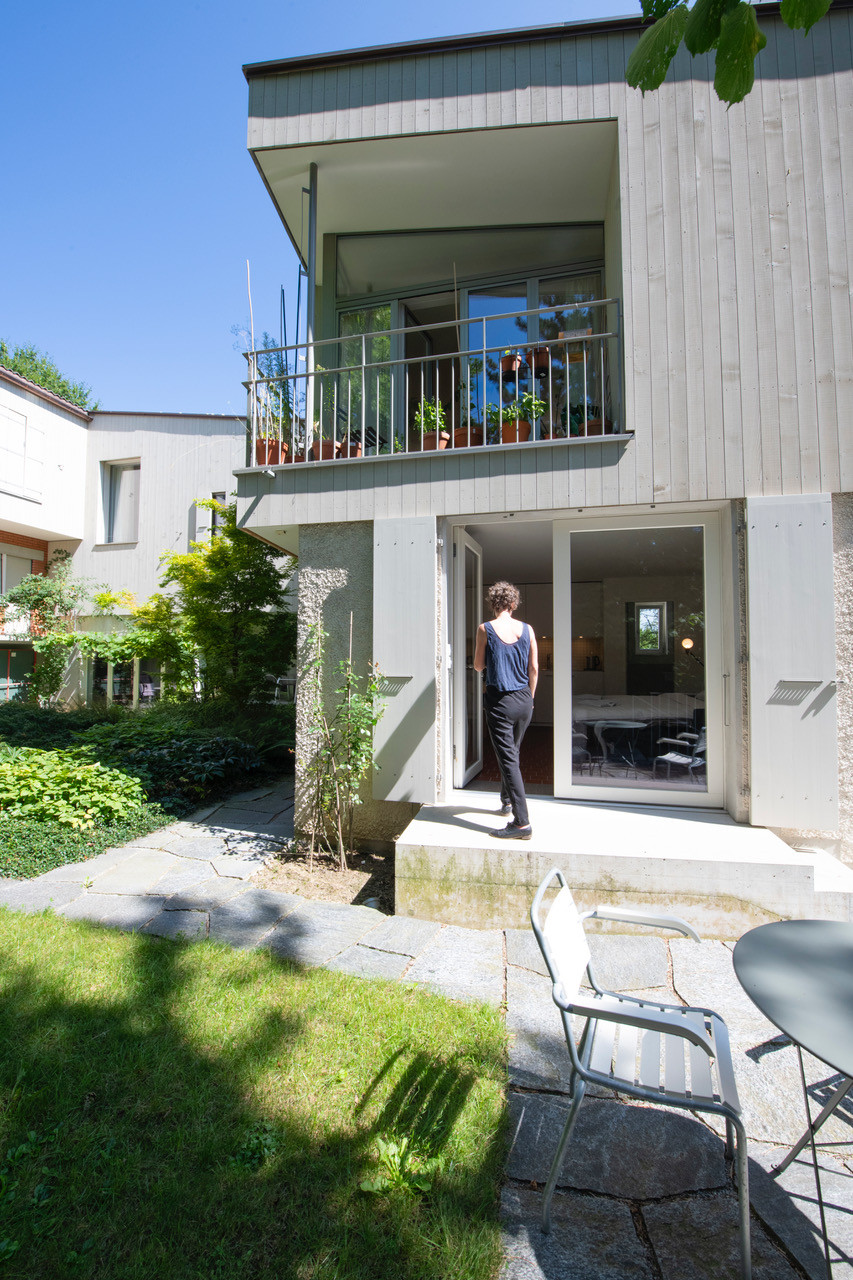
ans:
x=508 y=715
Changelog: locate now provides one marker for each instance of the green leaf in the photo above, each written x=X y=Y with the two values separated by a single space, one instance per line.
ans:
x=798 y=14
x=702 y=30
x=740 y=40
x=654 y=10
x=649 y=63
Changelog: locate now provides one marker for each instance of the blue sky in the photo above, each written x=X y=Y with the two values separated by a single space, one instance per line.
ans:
x=130 y=203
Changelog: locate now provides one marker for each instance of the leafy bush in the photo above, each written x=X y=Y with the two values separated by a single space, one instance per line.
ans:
x=60 y=786
x=30 y=848
x=175 y=768
x=23 y=724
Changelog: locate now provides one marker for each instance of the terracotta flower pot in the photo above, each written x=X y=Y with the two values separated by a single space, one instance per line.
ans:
x=539 y=358
x=436 y=440
x=461 y=438
x=268 y=453
x=349 y=449
x=322 y=450
x=514 y=432
x=511 y=363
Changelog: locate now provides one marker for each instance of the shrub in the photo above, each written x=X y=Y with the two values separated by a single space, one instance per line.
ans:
x=23 y=724
x=175 y=768
x=62 y=787
x=30 y=848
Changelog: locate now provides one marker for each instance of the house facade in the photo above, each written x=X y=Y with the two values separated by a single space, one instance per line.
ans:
x=114 y=490
x=595 y=343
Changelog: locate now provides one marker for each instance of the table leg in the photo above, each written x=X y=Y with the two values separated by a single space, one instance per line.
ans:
x=810 y=1133
x=827 y=1111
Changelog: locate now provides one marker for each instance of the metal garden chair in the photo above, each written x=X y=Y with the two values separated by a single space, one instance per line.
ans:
x=662 y=1053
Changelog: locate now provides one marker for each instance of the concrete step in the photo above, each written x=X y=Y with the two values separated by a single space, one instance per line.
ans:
x=723 y=876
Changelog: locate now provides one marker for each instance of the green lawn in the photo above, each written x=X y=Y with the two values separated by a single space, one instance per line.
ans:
x=190 y=1111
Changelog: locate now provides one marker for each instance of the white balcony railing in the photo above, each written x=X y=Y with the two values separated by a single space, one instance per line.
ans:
x=14 y=623
x=367 y=395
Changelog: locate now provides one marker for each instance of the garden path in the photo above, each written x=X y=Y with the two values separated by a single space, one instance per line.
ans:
x=644 y=1193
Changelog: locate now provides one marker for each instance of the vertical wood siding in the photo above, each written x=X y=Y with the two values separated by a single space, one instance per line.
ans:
x=736 y=243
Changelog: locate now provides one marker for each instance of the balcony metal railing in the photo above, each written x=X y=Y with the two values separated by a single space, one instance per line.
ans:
x=14 y=623
x=366 y=395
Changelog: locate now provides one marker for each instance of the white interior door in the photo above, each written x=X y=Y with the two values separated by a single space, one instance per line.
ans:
x=638 y=680
x=467 y=683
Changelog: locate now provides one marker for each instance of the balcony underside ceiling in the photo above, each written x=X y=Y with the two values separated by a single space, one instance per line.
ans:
x=486 y=177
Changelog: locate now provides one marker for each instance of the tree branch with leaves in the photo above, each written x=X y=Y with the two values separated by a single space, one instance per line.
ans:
x=728 y=29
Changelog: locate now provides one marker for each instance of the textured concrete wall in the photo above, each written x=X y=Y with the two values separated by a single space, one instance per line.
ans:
x=840 y=841
x=336 y=580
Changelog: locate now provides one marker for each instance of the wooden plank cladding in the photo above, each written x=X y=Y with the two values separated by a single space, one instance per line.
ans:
x=736 y=244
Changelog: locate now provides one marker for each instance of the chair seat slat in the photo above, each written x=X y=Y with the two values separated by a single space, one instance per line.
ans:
x=602 y=1047
x=701 y=1079
x=675 y=1076
x=626 y=1053
x=650 y=1060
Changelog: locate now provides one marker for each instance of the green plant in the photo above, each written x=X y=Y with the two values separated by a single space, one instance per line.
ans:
x=400 y=1168
x=30 y=847
x=526 y=408
x=340 y=730
x=429 y=416
x=40 y=369
x=172 y=767
x=62 y=787
x=53 y=601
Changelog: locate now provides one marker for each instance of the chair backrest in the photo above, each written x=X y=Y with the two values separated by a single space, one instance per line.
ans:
x=561 y=938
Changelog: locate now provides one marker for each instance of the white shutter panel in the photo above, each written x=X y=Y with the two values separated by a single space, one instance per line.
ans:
x=404 y=649
x=792 y=694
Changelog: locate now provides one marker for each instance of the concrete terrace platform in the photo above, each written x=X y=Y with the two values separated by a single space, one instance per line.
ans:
x=725 y=877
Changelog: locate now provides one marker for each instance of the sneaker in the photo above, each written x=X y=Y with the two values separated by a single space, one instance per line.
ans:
x=513 y=832
x=505 y=810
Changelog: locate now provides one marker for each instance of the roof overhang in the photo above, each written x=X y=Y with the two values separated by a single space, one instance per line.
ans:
x=550 y=173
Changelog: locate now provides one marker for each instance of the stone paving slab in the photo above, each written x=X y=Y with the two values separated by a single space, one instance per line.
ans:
x=119 y=911
x=89 y=869
x=137 y=874
x=463 y=964
x=205 y=895
x=591 y=1238
x=33 y=895
x=537 y=1052
x=202 y=847
x=185 y=876
x=236 y=867
x=697 y=1238
x=365 y=962
x=620 y=962
x=189 y=925
x=788 y=1205
x=244 y=921
x=318 y=931
x=629 y=1151
x=402 y=935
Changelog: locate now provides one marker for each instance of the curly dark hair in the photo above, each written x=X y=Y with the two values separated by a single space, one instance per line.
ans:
x=503 y=595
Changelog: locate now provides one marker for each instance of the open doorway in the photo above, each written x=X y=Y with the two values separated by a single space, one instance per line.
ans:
x=519 y=552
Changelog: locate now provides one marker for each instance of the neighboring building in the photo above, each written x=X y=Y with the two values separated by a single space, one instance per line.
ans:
x=500 y=213
x=115 y=490
x=43 y=442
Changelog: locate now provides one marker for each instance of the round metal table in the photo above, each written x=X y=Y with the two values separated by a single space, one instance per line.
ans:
x=799 y=973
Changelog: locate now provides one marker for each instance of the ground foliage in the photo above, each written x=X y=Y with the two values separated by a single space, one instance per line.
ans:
x=66 y=787
x=727 y=29
x=189 y=1111
x=36 y=365
x=29 y=848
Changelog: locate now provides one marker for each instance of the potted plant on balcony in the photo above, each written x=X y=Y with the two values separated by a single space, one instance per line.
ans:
x=512 y=361
x=431 y=425
x=511 y=423
x=268 y=451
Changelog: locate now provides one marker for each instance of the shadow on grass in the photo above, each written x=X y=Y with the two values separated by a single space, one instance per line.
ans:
x=165 y=1117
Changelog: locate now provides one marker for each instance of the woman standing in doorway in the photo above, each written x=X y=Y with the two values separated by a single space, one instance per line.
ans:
x=506 y=651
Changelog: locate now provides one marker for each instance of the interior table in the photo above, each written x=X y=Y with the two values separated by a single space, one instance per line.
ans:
x=799 y=973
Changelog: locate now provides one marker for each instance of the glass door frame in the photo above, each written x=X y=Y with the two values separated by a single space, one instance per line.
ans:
x=463 y=543
x=565 y=786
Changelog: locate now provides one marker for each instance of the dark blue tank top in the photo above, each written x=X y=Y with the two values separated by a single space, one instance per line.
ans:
x=506 y=664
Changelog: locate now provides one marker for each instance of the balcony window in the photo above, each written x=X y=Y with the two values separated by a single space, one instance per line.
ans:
x=21 y=455
x=121 y=501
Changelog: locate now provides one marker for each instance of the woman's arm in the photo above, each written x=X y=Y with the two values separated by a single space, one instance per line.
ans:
x=533 y=663
x=480 y=650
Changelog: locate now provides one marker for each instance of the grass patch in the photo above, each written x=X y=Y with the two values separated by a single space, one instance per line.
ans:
x=29 y=848
x=192 y=1112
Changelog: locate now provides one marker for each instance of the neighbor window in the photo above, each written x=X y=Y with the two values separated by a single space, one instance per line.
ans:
x=217 y=519
x=121 y=501
x=650 y=628
x=21 y=455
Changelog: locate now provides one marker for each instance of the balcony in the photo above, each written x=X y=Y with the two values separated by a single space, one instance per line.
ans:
x=432 y=387
x=14 y=623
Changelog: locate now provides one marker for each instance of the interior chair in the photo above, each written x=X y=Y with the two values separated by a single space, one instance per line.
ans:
x=663 y=1053
x=687 y=750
